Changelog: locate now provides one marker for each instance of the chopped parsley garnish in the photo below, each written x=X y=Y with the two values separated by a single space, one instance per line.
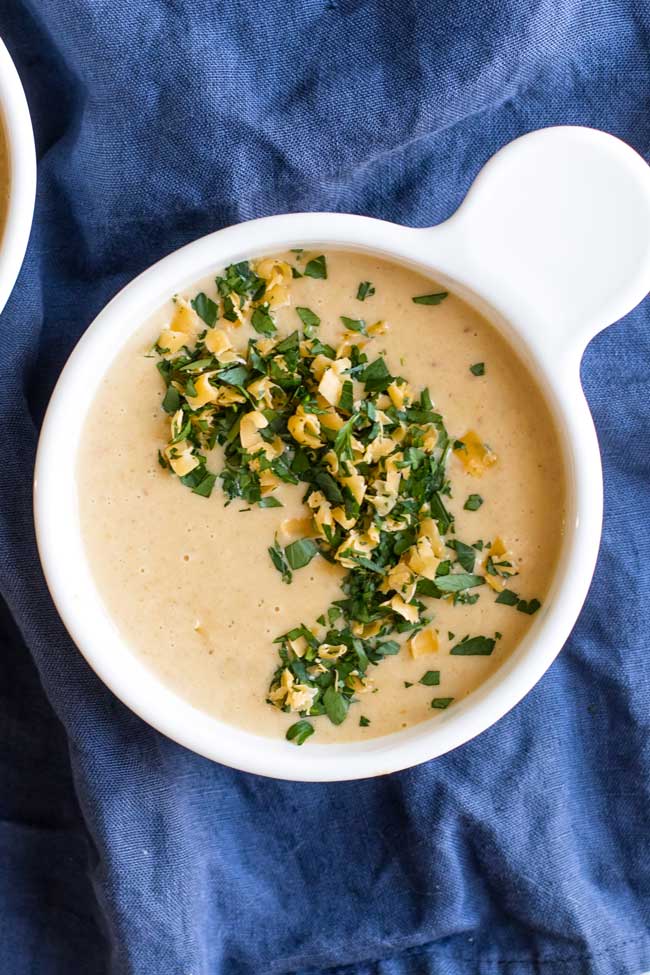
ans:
x=370 y=454
x=354 y=324
x=474 y=646
x=441 y=703
x=262 y=321
x=300 y=553
x=205 y=308
x=430 y=679
x=365 y=290
x=478 y=369
x=316 y=268
x=363 y=721
x=300 y=732
x=507 y=597
x=308 y=317
x=528 y=607
x=433 y=299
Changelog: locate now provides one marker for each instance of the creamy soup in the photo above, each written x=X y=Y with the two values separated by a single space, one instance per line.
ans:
x=440 y=514
x=4 y=179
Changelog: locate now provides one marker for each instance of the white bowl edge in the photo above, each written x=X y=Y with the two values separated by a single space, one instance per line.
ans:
x=16 y=123
x=81 y=607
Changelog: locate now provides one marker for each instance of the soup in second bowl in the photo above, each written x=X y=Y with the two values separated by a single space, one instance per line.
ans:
x=4 y=179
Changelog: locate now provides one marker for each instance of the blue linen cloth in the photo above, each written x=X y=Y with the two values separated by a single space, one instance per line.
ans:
x=525 y=851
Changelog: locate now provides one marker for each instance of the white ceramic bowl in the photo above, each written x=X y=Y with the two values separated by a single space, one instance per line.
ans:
x=15 y=120
x=552 y=244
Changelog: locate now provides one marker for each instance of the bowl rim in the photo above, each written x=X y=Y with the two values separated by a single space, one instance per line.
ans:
x=80 y=605
x=17 y=129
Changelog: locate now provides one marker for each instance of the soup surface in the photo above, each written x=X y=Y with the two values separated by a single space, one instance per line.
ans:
x=444 y=546
x=4 y=179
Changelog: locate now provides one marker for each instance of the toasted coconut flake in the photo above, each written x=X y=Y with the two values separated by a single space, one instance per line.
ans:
x=249 y=427
x=304 y=428
x=205 y=392
x=180 y=458
x=170 y=341
x=426 y=641
x=184 y=318
x=402 y=608
x=475 y=456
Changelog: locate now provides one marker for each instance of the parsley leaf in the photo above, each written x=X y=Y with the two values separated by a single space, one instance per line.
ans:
x=269 y=502
x=465 y=554
x=300 y=553
x=172 y=401
x=365 y=290
x=376 y=377
x=475 y=646
x=478 y=369
x=473 y=503
x=507 y=597
x=317 y=268
x=262 y=321
x=430 y=679
x=205 y=308
x=336 y=705
x=458 y=581
x=279 y=561
x=300 y=732
x=433 y=299
x=528 y=608
x=354 y=324
x=307 y=316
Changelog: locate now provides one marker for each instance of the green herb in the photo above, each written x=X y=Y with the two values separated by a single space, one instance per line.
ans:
x=172 y=400
x=473 y=503
x=269 y=502
x=300 y=732
x=365 y=290
x=441 y=702
x=475 y=646
x=430 y=679
x=528 y=608
x=234 y=376
x=507 y=597
x=376 y=377
x=363 y=721
x=279 y=561
x=336 y=705
x=458 y=581
x=354 y=324
x=346 y=402
x=478 y=369
x=308 y=317
x=408 y=683
x=300 y=553
x=433 y=299
x=464 y=553
x=205 y=308
x=205 y=485
x=317 y=268
x=262 y=321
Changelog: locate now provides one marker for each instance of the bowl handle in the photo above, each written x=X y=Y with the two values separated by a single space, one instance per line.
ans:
x=555 y=232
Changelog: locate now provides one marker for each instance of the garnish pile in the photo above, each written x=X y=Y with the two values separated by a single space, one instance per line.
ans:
x=372 y=454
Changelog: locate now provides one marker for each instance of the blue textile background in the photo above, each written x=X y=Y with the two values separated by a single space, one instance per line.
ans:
x=525 y=851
